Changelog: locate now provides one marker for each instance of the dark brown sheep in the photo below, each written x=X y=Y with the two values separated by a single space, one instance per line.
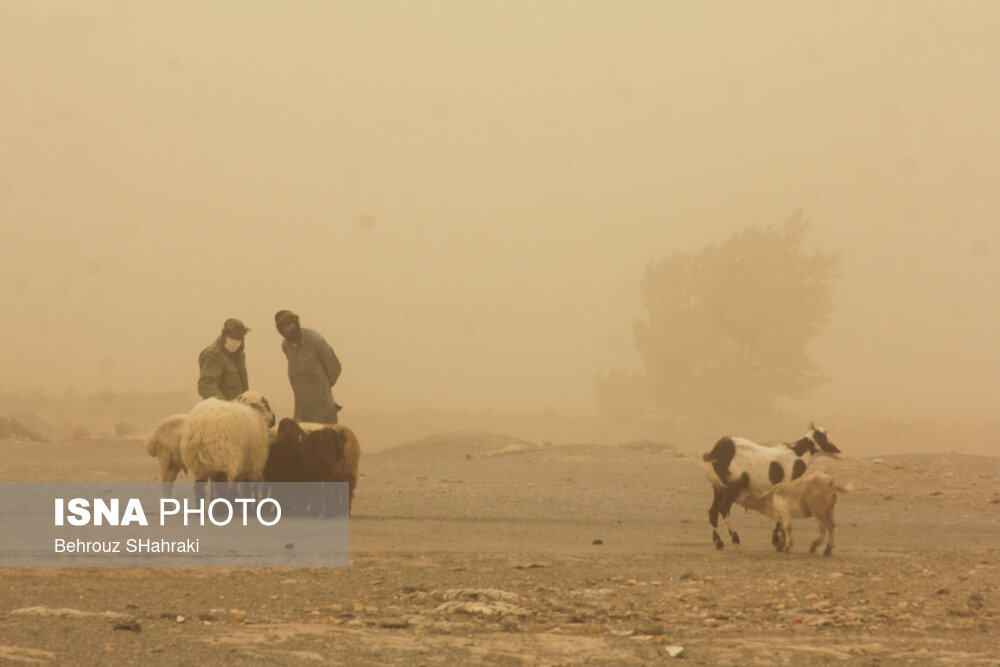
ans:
x=307 y=452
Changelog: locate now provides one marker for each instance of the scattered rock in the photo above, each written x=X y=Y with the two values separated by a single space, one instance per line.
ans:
x=512 y=448
x=132 y=626
x=65 y=612
x=481 y=603
x=672 y=650
x=510 y=625
x=529 y=566
x=586 y=629
x=598 y=542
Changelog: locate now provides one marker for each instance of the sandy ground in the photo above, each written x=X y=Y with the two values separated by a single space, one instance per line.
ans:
x=475 y=548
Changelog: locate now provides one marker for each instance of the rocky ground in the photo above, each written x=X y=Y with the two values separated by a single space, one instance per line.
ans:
x=477 y=548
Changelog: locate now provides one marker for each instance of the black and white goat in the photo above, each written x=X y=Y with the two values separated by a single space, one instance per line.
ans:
x=736 y=464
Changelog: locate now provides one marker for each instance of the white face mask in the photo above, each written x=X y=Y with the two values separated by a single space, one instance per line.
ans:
x=233 y=344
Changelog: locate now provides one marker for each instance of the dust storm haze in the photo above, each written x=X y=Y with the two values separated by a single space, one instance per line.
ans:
x=462 y=197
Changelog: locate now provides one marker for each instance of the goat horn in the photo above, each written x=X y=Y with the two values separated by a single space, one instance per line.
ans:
x=811 y=427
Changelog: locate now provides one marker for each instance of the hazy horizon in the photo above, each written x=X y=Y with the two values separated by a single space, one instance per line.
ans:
x=462 y=198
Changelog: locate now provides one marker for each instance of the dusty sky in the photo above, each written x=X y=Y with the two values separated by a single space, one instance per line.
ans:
x=462 y=197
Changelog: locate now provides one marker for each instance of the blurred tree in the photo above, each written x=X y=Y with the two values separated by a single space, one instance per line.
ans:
x=727 y=329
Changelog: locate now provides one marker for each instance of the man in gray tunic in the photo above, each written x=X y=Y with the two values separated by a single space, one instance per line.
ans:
x=313 y=369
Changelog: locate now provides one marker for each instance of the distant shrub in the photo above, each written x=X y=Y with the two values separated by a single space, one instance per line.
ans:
x=125 y=429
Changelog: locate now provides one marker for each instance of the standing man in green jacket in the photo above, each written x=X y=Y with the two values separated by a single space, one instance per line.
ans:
x=313 y=369
x=224 y=364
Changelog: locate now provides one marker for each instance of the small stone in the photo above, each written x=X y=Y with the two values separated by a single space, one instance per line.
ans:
x=335 y=608
x=510 y=625
x=586 y=629
x=394 y=623
x=598 y=542
x=672 y=650
x=180 y=619
x=237 y=615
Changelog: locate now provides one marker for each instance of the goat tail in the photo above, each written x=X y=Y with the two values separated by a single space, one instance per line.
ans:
x=710 y=472
x=843 y=487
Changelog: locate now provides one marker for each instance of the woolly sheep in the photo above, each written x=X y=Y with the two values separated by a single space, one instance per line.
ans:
x=227 y=441
x=164 y=443
x=309 y=452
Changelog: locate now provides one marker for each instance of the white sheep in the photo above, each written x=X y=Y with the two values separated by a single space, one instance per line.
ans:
x=164 y=443
x=227 y=441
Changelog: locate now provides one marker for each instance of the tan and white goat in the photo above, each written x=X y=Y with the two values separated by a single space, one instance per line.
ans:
x=813 y=494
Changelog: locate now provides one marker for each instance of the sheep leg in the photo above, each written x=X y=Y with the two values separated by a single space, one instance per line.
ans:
x=329 y=499
x=217 y=491
x=786 y=528
x=247 y=489
x=819 y=538
x=728 y=499
x=168 y=474
x=778 y=537
x=713 y=517
x=831 y=528
x=201 y=489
